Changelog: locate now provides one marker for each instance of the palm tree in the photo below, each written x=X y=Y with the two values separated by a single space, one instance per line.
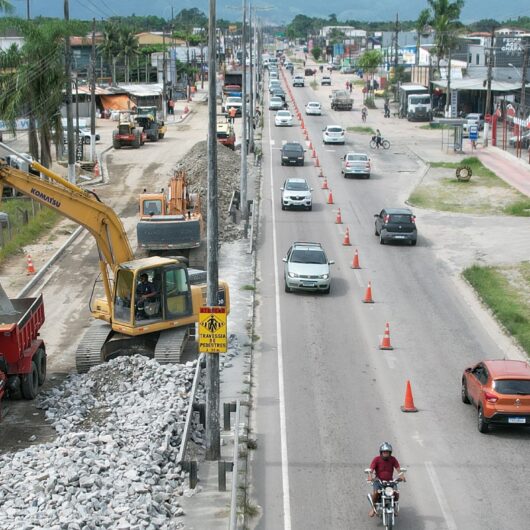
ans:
x=129 y=47
x=445 y=17
x=6 y=7
x=110 y=47
x=33 y=86
x=420 y=25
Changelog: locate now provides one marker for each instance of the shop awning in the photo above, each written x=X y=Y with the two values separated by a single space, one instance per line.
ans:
x=479 y=84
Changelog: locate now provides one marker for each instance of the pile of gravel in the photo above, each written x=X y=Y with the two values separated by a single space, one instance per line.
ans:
x=195 y=163
x=113 y=464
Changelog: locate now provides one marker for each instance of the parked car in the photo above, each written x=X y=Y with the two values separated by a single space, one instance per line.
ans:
x=313 y=108
x=396 y=224
x=292 y=154
x=325 y=80
x=473 y=118
x=276 y=103
x=307 y=268
x=347 y=70
x=500 y=391
x=298 y=80
x=84 y=136
x=333 y=134
x=296 y=193
x=522 y=141
x=283 y=118
x=356 y=164
x=309 y=72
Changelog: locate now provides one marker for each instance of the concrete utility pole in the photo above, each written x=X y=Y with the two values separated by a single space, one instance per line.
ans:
x=93 y=95
x=523 y=82
x=244 y=117
x=213 y=432
x=251 y=110
x=396 y=46
x=164 y=103
x=69 y=116
x=487 y=108
x=448 y=102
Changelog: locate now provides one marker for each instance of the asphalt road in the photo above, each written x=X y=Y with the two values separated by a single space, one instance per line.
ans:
x=327 y=396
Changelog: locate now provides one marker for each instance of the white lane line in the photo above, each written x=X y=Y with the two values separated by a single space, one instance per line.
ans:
x=442 y=501
x=279 y=348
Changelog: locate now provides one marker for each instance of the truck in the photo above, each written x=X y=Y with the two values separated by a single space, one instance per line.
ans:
x=152 y=125
x=226 y=134
x=127 y=133
x=233 y=81
x=22 y=351
x=341 y=100
x=414 y=102
x=172 y=221
x=123 y=321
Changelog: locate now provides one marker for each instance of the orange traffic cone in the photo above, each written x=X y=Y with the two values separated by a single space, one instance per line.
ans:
x=368 y=294
x=355 y=262
x=317 y=162
x=306 y=136
x=186 y=109
x=325 y=185
x=30 y=267
x=338 y=219
x=96 y=169
x=321 y=174
x=409 y=401
x=385 y=343
x=302 y=124
x=346 y=240
x=314 y=154
x=310 y=146
x=330 y=197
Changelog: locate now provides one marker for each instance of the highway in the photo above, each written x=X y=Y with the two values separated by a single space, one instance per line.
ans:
x=327 y=396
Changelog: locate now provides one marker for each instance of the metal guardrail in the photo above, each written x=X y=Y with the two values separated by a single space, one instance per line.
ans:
x=187 y=426
x=235 y=474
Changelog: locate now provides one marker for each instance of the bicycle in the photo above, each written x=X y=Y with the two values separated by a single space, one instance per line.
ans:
x=385 y=144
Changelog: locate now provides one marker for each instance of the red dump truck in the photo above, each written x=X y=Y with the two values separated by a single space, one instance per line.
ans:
x=22 y=352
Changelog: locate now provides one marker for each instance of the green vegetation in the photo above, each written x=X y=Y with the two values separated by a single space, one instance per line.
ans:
x=316 y=52
x=361 y=129
x=248 y=287
x=25 y=234
x=506 y=291
x=446 y=193
x=313 y=84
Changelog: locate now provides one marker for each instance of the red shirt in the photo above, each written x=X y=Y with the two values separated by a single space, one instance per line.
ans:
x=384 y=469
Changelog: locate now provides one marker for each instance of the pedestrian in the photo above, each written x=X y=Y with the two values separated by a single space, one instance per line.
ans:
x=351 y=87
x=171 y=104
x=232 y=111
x=347 y=85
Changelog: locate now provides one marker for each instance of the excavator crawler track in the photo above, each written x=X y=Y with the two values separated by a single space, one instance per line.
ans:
x=171 y=344
x=88 y=353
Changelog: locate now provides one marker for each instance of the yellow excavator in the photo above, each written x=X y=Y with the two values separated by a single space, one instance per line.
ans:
x=149 y=305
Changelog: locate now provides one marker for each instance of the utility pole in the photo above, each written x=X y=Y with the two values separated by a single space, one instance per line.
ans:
x=251 y=110
x=69 y=117
x=93 y=95
x=164 y=104
x=487 y=108
x=213 y=432
x=396 y=48
x=27 y=10
x=448 y=102
x=244 y=117
x=523 y=82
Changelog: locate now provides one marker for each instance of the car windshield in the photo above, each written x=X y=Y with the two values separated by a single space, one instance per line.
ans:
x=357 y=157
x=284 y=114
x=233 y=100
x=308 y=256
x=512 y=386
x=296 y=148
x=313 y=104
x=400 y=218
x=298 y=186
x=335 y=129
x=276 y=99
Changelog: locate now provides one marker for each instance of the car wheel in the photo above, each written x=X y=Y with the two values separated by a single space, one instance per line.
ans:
x=381 y=240
x=327 y=291
x=367 y=176
x=375 y=231
x=287 y=288
x=413 y=242
x=283 y=207
x=309 y=208
x=30 y=383
x=463 y=392
x=40 y=361
x=482 y=424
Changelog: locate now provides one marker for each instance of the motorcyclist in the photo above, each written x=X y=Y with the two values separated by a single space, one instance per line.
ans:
x=382 y=468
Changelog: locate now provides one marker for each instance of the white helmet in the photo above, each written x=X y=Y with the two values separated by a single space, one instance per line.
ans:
x=385 y=446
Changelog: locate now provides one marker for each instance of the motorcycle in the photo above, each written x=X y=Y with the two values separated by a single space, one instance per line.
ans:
x=388 y=506
x=385 y=144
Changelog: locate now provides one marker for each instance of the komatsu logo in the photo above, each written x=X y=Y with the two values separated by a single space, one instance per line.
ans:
x=43 y=197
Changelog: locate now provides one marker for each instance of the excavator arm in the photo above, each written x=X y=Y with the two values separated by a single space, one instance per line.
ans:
x=77 y=204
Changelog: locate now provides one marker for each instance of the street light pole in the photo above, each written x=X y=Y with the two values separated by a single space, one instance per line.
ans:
x=213 y=432
x=69 y=117
x=243 y=182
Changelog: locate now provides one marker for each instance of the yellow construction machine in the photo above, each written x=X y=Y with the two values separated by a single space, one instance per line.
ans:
x=130 y=318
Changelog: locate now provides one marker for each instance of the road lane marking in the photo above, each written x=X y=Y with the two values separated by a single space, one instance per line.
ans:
x=279 y=348
x=417 y=438
x=440 y=495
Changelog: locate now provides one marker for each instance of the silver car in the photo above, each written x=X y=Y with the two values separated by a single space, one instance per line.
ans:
x=283 y=118
x=356 y=164
x=307 y=268
x=296 y=193
x=276 y=103
x=333 y=134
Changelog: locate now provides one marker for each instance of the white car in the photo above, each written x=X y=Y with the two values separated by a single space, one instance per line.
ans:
x=326 y=80
x=313 y=108
x=298 y=80
x=274 y=83
x=333 y=134
x=276 y=103
x=283 y=118
x=296 y=193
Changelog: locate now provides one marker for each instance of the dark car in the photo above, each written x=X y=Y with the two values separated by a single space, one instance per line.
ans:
x=278 y=92
x=292 y=154
x=309 y=71
x=396 y=224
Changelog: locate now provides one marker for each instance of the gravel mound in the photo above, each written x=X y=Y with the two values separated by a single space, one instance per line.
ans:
x=195 y=163
x=113 y=464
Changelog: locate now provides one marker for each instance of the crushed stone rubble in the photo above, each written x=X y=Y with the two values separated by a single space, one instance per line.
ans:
x=195 y=163
x=113 y=463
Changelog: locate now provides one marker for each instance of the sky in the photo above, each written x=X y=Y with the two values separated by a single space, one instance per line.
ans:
x=231 y=10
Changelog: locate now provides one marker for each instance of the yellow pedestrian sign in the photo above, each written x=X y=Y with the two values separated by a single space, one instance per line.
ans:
x=212 y=330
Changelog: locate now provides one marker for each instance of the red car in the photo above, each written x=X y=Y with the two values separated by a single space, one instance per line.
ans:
x=500 y=389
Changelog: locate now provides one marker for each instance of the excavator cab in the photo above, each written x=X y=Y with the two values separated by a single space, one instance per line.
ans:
x=152 y=294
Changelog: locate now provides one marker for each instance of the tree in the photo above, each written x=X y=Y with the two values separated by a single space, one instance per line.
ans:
x=421 y=26
x=6 y=7
x=336 y=36
x=445 y=19
x=110 y=47
x=316 y=52
x=370 y=61
x=128 y=43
